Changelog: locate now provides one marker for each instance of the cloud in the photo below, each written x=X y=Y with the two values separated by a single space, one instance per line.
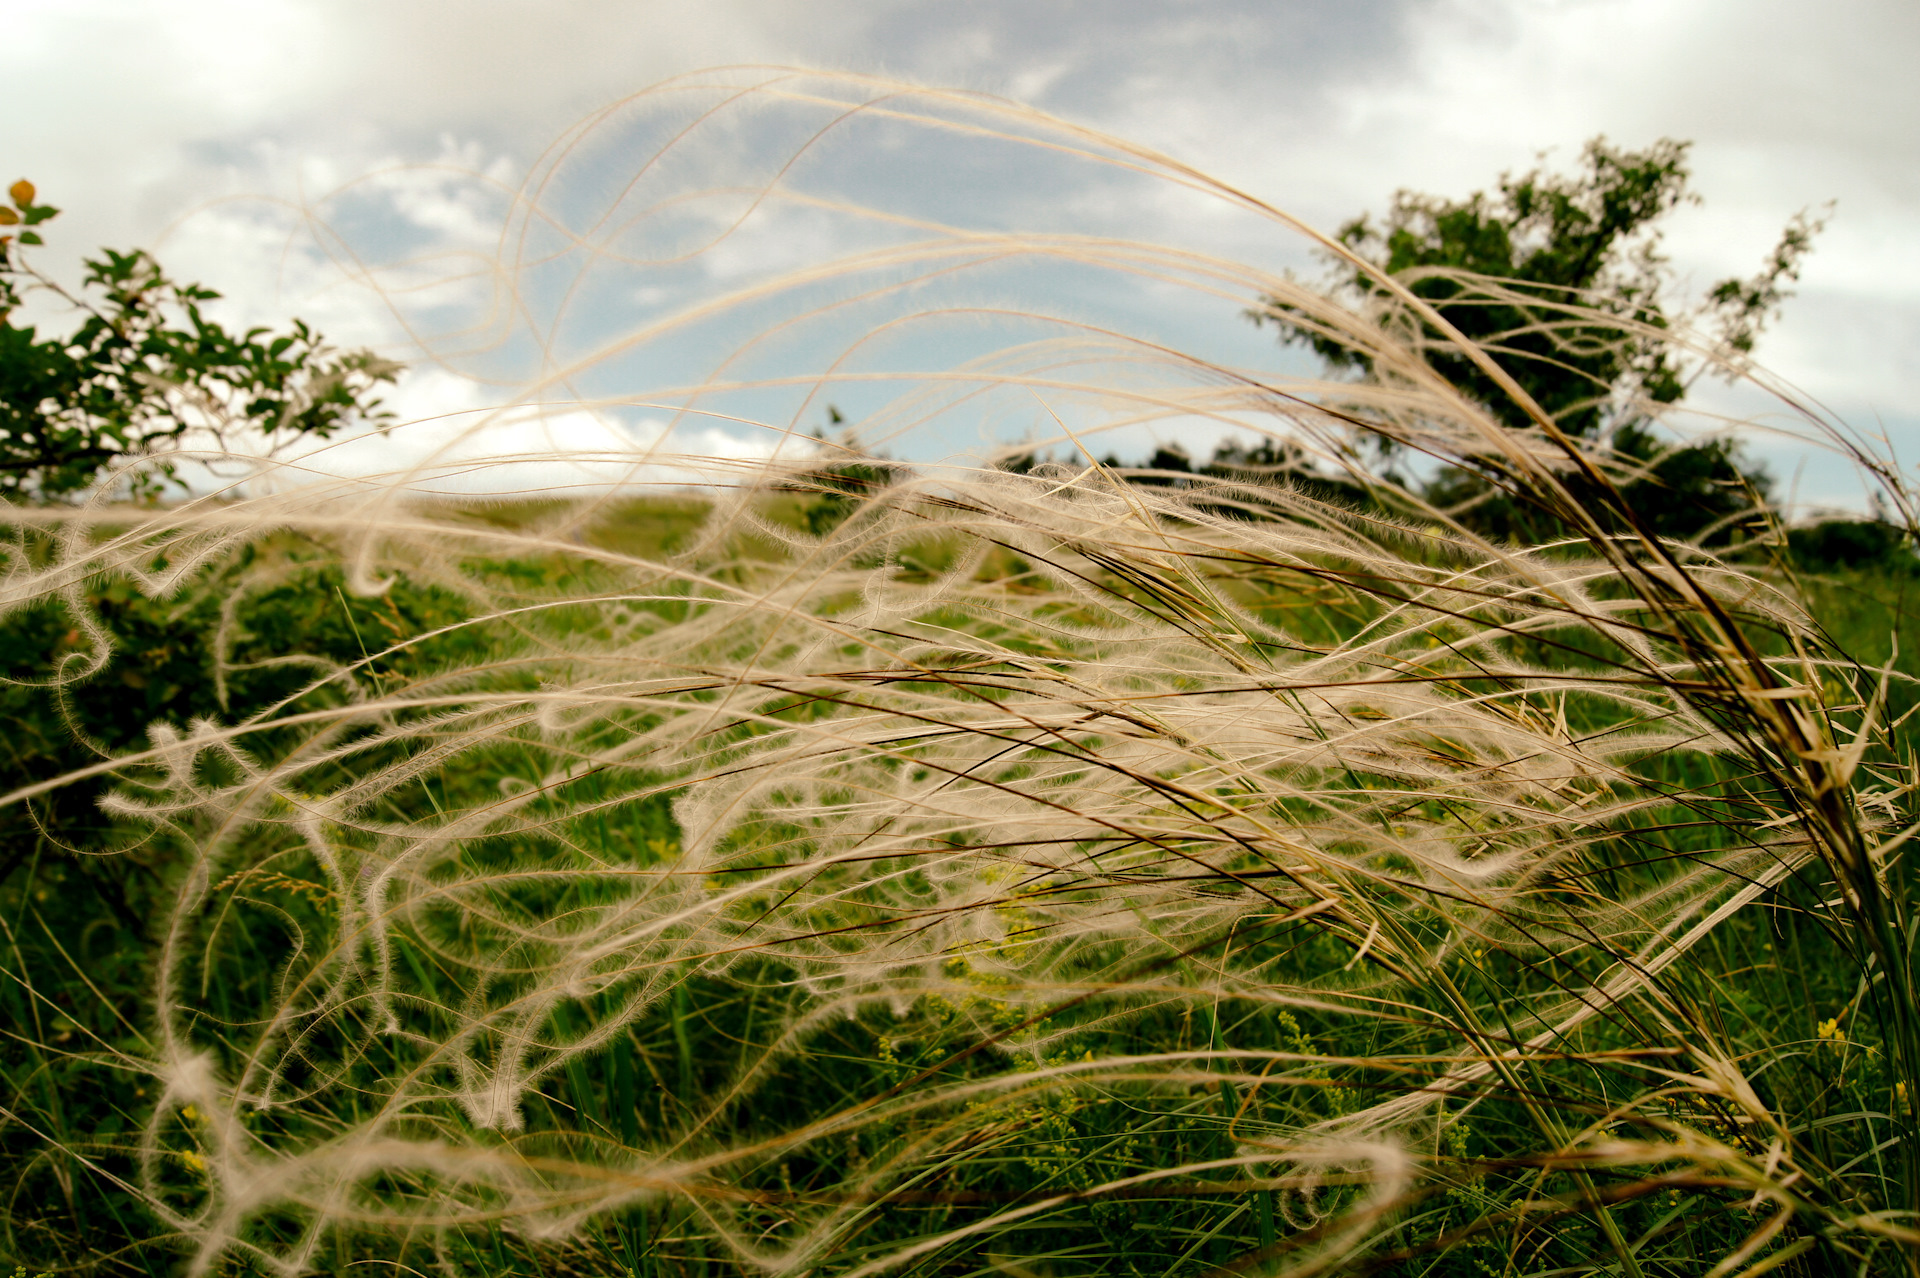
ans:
x=1322 y=106
x=455 y=439
x=1785 y=112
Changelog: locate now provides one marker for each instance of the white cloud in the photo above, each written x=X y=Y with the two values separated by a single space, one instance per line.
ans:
x=1786 y=108
x=1324 y=106
x=453 y=437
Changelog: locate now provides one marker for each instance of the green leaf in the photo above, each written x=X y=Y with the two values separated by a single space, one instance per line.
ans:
x=73 y=405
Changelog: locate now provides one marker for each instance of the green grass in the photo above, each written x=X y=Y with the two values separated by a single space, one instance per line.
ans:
x=972 y=1097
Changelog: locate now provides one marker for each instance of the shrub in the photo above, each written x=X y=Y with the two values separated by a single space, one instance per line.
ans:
x=145 y=372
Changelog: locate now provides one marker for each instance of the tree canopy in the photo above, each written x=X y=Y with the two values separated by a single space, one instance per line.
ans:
x=1561 y=278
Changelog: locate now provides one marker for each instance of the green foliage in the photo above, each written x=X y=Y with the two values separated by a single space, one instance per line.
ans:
x=102 y=675
x=1032 y=1137
x=1697 y=493
x=1586 y=240
x=89 y=678
x=844 y=486
x=146 y=372
x=1852 y=543
x=1560 y=278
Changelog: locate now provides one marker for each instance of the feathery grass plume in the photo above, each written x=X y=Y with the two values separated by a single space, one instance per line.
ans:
x=1029 y=871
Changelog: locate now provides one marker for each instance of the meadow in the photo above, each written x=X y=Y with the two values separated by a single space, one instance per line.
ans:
x=1056 y=1026
x=960 y=871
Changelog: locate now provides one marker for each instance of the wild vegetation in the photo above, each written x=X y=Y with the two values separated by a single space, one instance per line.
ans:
x=857 y=869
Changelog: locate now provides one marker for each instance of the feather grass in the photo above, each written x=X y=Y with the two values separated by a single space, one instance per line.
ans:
x=1038 y=873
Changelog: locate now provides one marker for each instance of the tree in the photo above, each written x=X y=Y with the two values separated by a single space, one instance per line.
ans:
x=145 y=371
x=1562 y=280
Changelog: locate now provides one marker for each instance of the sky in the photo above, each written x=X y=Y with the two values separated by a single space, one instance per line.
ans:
x=270 y=148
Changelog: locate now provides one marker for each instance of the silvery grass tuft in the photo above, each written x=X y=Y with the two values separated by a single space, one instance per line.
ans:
x=1064 y=872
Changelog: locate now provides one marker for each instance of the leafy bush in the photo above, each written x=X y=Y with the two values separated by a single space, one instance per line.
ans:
x=145 y=373
x=1852 y=543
